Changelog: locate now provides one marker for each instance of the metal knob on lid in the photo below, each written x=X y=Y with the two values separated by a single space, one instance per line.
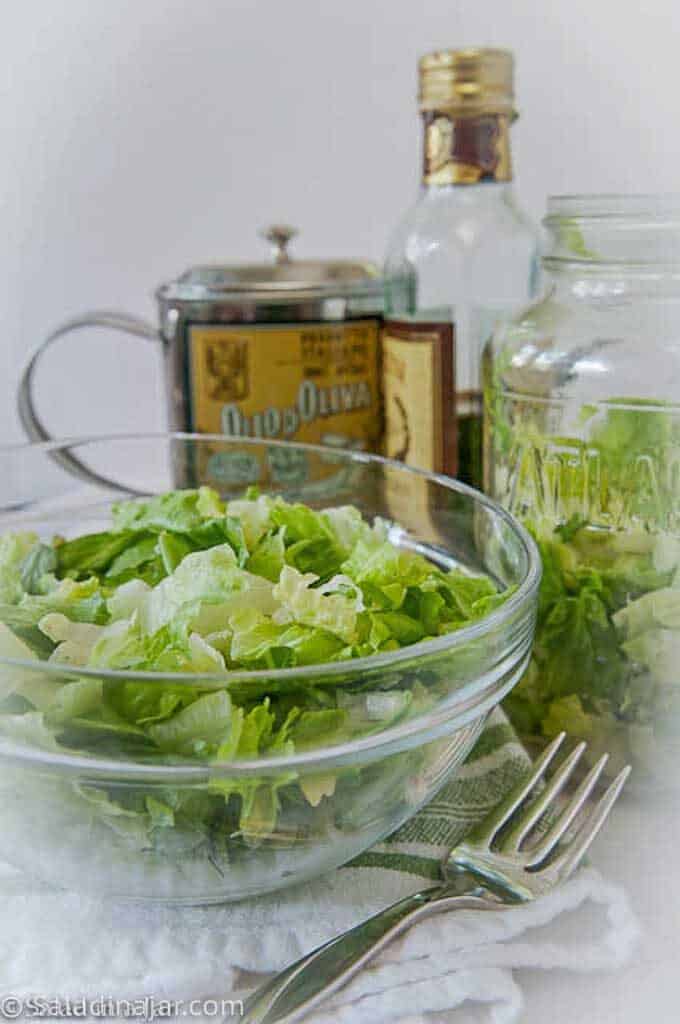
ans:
x=278 y=236
x=283 y=279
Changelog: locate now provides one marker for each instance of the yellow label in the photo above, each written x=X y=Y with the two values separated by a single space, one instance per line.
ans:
x=316 y=383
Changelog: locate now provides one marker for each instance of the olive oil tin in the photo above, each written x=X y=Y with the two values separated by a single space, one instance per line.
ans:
x=287 y=350
x=284 y=350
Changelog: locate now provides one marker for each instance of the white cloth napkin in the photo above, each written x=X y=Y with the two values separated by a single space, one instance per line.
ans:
x=454 y=967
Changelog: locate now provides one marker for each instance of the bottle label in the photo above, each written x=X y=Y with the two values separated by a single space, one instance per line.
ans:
x=418 y=394
x=420 y=417
x=313 y=382
x=465 y=150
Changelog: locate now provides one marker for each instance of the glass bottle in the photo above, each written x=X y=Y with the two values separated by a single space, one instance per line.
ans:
x=463 y=256
x=582 y=442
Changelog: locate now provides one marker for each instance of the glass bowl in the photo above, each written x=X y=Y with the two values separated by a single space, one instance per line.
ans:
x=91 y=816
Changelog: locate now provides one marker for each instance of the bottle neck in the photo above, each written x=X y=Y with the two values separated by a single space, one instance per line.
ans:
x=465 y=150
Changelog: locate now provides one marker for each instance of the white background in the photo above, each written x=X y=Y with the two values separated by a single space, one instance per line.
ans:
x=140 y=136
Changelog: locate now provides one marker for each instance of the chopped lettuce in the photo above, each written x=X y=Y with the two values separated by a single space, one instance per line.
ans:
x=204 y=590
x=15 y=549
x=176 y=510
x=254 y=516
x=658 y=608
x=184 y=583
x=269 y=556
x=93 y=553
x=199 y=728
x=17 y=642
x=79 y=601
x=40 y=561
x=18 y=624
x=606 y=658
x=299 y=601
x=74 y=640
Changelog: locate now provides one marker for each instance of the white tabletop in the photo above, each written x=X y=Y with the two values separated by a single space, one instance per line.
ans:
x=640 y=848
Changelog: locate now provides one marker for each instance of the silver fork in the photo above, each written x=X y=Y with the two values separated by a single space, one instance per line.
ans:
x=497 y=865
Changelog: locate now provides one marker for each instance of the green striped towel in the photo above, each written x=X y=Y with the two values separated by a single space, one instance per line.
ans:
x=495 y=764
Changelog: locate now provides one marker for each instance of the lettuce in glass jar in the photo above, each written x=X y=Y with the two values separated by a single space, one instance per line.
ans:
x=602 y=508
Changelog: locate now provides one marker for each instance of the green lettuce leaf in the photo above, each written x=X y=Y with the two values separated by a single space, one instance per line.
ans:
x=141 y=559
x=259 y=642
x=349 y=527
x=74 y=700
x=175 y=511
x=17 y=641
x=256 y=735
x=269 y=556
x=172 y=548
x=92 y=553
x=23 y=625
x=198 y=729
x=385 y=572
x=15 y=549
x=40 y=561
x=74 y=641
x=78 y=601
x=171 y=648
x=254 y=516
x=660 y=608
x=307 y=606
x=203 y=591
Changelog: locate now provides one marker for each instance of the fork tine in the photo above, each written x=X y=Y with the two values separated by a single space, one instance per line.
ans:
x=512 y=842
x=568 y=861
x=546 y=845
x=489 y=828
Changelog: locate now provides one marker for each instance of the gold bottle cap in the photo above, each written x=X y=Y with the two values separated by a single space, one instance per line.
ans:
x=473 y=81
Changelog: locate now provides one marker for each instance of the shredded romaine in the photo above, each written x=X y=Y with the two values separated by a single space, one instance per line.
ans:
x=183 y=583
x=603 y=509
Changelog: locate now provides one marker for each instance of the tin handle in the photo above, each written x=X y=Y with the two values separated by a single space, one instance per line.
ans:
x=28 y=415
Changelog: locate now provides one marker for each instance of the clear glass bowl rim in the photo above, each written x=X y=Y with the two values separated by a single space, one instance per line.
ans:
x=437 y=645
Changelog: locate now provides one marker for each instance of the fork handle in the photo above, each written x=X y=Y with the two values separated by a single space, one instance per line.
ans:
x=292 y=994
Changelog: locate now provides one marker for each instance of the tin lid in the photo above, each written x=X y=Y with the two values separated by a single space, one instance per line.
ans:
x=279 y=281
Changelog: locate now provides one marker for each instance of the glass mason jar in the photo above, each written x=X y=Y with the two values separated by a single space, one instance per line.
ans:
x=582 y=442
